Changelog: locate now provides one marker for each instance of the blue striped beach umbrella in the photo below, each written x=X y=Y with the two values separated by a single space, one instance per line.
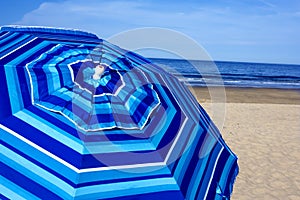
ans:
x=84 y=119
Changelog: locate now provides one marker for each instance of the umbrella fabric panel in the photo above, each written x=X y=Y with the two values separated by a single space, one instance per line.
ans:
x=177 y=154
x=55 y=66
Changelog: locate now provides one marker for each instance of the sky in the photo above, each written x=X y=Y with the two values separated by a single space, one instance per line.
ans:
x=265 y=31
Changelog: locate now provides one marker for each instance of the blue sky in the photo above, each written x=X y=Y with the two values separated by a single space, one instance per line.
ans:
x=244 y=30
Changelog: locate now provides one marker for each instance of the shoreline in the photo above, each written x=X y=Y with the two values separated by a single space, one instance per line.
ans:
x=246 y=95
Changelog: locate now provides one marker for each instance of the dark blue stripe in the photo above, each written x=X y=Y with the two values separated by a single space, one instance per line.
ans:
x=111 y=137
x=119 y=158
x=231 y=178
x=73 y=42
x=24 y=86
x=2 y=33
x=185 y=184
x=5 y=106
x=43 y=140
x=36 y=54
x=117 y=180
x=42 y=83
x=57 y=101
x=163 y=195
x=75 y=185
x=36 y=162
x=84 y=136
x=27 y=184
x=3 y=197
x=184 y=147
x=12 y=39
x=176 y=121
x=68 y=38
x=205 y=120
x=207 y=169
x=21 y=51
x=66 y=127
x=217 y=175
x=72 y=157
x=143 y=106
x=14 y=46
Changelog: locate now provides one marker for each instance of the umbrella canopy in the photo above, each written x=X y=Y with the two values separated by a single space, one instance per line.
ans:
x=84 y=119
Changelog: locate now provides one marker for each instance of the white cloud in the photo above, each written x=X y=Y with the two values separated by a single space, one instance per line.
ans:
x=231 y=24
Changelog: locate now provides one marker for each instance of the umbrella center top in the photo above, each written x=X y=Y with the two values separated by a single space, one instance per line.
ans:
x=96 y=78
x=98 y=71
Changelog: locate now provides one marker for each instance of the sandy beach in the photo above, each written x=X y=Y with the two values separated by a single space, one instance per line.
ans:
x=262 y=126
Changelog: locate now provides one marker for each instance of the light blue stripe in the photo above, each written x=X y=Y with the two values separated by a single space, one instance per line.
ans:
x=14 y=42
x=66 y=74
x=187 y=155
x=196 y=178
x=83 y=103
x=39 y=156
x=208 y=173
x=102 y=108
x=53 y=79
x=51 y=31
x=110 y=147
x=127 y=188
x=51 y=130
x=180 y=148
x=183 y=99
x=207 y=147
x=36 y=173
x=49 y=105
x=58 y=117
x=73 y=58
x=13 y=191
x=166 y=118
x=63 y=93
x=71 y=55
x=43 y=56
x=14 y=91
x=133 y=102
x=124 y=92
x=123 y=173
x=28 y=53
x=8 y=38
x=226 y=171
x=116 y=108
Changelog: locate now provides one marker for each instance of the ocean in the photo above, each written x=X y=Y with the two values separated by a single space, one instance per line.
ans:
x=232 y=74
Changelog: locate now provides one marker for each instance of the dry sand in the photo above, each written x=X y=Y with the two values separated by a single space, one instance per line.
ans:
x=262 y=127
